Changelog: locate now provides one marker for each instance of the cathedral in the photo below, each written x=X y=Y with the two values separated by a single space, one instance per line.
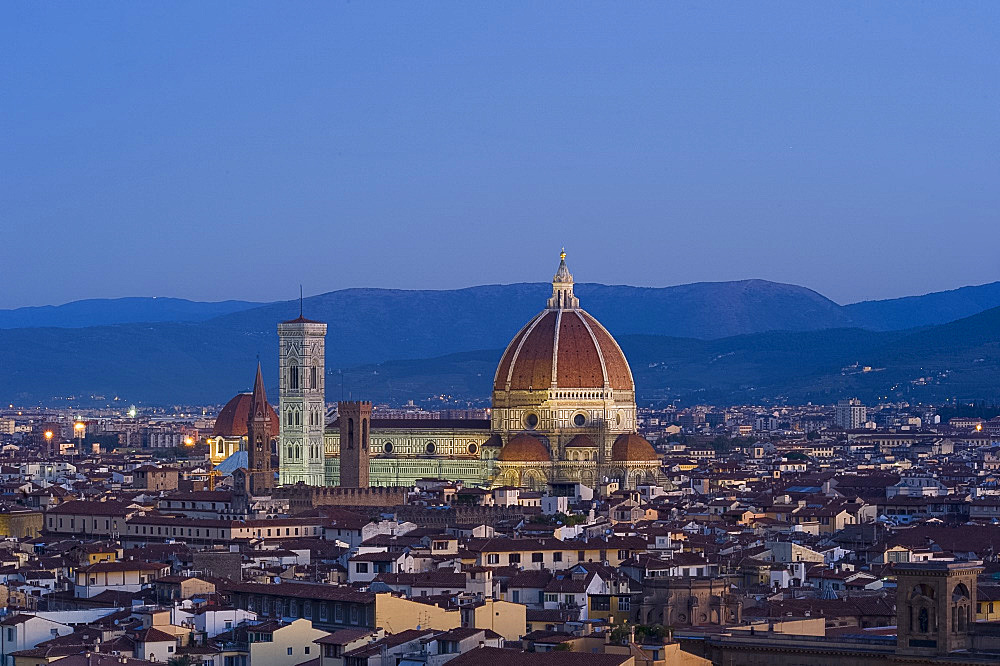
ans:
x=563 y=414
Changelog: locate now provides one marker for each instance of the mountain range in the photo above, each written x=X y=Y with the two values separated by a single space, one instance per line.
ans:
x=744 y=341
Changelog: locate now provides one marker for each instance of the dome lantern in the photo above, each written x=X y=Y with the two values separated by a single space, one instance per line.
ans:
x=562 y=287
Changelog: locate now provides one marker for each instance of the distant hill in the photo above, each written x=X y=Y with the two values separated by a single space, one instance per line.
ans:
x=911 y=311
x=958 y=359
x=198 y=363
x=105 y=311
x=726 y=339
x=699 y=310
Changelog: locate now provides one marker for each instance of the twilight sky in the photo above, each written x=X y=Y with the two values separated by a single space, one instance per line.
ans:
x=233 y=150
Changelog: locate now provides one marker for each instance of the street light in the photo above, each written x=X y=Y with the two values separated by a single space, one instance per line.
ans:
x=48 y=441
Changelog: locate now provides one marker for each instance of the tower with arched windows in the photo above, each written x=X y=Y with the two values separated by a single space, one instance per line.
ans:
x=260 y=428
x=935 y=606
x=302 y=404
x=355 y=438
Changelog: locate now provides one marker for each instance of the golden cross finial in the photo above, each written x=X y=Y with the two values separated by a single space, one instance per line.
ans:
x=562 y=255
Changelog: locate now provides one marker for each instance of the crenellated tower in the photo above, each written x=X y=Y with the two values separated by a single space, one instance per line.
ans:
x=355 y=437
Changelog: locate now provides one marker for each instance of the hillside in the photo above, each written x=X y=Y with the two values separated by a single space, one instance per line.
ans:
x=699 y=310
x=734 y=341
x=927 y=310
x=106 y=311
x=960 y=359
x=197 y=363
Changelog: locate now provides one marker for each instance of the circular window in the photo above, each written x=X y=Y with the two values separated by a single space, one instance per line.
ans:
x=579 y=420
x=531 y=420
x=430 y=447
x=388 y=447
x=473 y=448
x=620 y=417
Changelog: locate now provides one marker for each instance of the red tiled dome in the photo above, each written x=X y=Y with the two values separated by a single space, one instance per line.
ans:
x=564 y=348
x=524 y=448
x=632 y=448
x=232 y=420
x=582 y=441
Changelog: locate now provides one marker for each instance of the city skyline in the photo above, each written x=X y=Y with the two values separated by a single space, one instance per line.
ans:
x=562 y=333
x=458 y=145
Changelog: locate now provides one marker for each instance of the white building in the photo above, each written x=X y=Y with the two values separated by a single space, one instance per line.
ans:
x=851 y=414
x=24 y=632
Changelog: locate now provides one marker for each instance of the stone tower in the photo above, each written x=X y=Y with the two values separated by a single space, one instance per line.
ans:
x=355 y=420
x=935 y=606
x=260 y=430
x=302 y=409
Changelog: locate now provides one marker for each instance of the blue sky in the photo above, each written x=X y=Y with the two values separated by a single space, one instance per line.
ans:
x=235 y=150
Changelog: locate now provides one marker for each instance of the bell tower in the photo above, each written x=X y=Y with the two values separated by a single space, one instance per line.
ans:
x=302 y=409
x=355 y=421
x=260 y=429
x=935 y=606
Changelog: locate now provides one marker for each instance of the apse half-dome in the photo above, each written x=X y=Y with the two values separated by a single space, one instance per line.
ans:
x=524 y=448
x=232 y=420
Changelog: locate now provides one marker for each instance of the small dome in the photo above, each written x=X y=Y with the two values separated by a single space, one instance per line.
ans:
x=582 y=442
x=524 y=448
x=494 y=440
x=633 y=448
x=232 y=420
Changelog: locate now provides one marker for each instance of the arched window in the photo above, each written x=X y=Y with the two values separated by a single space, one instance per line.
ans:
x=350 y=433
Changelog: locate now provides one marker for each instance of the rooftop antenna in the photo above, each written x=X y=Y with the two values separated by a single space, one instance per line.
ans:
x=300 y=300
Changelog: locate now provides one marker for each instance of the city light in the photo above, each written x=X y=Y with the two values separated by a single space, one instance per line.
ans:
x=48 y=434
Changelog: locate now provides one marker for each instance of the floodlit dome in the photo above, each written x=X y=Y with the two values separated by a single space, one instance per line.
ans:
x=563 y=347
x=633 y=448
x=524 y=448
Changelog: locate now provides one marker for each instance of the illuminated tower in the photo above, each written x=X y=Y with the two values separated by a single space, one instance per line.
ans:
x=302 y=409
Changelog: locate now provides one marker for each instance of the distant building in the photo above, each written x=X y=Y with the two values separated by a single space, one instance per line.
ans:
x=851 y=414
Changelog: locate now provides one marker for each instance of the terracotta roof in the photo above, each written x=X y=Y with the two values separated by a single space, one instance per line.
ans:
x=524 y=448
x=301 y=320
x=582 y=441
x=232 y=420
x=90 y=508
x=566 y=349
x=154 y=635
x=632 y=448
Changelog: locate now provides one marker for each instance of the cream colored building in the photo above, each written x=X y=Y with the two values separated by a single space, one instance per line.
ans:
x=284 y=646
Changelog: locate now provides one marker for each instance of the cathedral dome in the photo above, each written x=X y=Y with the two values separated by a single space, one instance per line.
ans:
x=524 y=448
x=633 y=448
x=563 y=347
x=232 y=420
